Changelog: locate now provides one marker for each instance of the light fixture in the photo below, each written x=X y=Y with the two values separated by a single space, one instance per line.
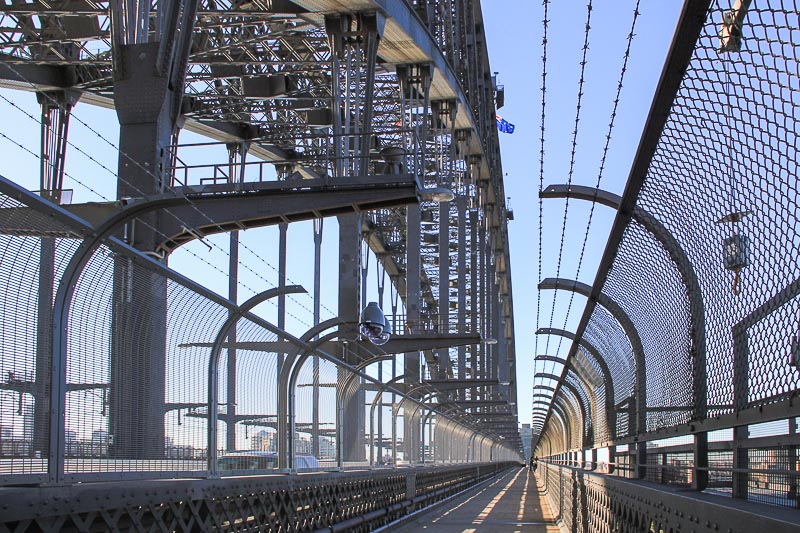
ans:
x=735 y=248
x=436 y=194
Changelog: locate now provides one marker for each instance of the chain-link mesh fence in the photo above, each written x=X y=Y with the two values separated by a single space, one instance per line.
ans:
x=704 y=263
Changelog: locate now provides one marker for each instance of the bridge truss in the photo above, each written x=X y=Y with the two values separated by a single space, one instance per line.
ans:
x=378 y=113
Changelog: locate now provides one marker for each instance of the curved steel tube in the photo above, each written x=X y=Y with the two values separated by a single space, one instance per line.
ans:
x=640 y=387
x=610 y=403
x=213 y=363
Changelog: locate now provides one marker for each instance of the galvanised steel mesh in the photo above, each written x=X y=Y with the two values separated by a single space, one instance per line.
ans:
x=730 y=146
x=660 y=313
x=136 y=359
x=706 y=265
x=598 y=393
x=606 y=335
x=110 y=345
x=580 y=393
x=26 y=294
x=572 y=412
x=248 y=389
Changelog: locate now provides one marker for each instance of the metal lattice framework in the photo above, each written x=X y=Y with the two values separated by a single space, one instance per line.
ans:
x=261 y=74
x=702 y=265
x=357 y=501
x=380 y=114
x=80 y=379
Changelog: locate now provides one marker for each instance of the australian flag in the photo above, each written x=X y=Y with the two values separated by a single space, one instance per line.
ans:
x=504 y=125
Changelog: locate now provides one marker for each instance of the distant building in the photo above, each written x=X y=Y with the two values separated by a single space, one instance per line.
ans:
x=525 y=433
x=327 y=448
x=99 y=444
x=264 y=441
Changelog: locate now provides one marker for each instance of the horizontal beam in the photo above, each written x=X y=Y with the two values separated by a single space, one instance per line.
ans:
x=451 y=384
x=396 y=344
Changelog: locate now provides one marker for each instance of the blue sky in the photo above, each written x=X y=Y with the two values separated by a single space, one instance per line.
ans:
x=514 y=35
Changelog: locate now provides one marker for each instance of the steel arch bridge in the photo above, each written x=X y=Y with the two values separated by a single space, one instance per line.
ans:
x=137 y=397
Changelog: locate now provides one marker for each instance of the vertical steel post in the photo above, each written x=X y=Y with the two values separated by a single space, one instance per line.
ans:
x=353 y=40
x=318 y=226
x=56 y=107
x=741 y=392
x=700 y=472
x=444 y=284
x=461 y=207
x=237 y=154
x=474 y=297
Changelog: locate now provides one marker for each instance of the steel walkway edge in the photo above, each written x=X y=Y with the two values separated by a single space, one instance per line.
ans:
x=330 y=501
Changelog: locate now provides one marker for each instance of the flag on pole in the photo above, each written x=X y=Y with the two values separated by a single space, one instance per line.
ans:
x=504 y=125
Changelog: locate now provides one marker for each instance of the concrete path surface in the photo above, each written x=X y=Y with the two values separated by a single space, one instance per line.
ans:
x=509 y=504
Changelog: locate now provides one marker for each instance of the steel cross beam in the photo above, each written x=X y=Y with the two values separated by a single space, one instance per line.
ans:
x=396 y=344
x=220 y=208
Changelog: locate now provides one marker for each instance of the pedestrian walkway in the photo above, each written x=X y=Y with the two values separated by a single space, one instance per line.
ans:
x=509 y=504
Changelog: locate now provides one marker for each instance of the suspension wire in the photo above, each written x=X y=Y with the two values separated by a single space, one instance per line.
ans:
x=545 y=3
x=572 y=157
x=101 y=196
x=186 y=250
x=626 y=57
x=624 y=69
x=151 y=173
x=581 y=81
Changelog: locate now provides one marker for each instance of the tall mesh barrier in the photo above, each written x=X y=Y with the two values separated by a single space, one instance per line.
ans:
x=29 y=239
x=705 y=265
x=133 y=344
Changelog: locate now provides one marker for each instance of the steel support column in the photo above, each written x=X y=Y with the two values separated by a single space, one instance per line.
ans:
x=353 y=41
x=148 y=93
x=461 y=206
x=415 y=81
x=318 y=227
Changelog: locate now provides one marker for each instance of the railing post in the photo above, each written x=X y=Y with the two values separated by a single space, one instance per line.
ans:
x=741 y=393
x=700 y=473
x=640 y=450
x=741 y=462
x=792 y=452
x=612 y=459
